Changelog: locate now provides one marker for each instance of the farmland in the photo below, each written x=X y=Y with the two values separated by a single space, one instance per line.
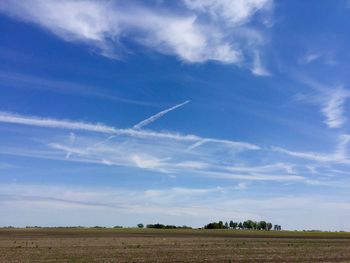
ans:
x=170 y=245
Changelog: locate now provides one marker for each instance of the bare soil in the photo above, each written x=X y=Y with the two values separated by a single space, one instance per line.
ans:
x=152 y=245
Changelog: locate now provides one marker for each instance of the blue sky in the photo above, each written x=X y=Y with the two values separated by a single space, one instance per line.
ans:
x=181 y=112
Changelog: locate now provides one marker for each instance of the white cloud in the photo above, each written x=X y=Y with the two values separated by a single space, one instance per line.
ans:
x=234 y=145
x=187 y=39
x=323 y=57
x=53 y=123
x=176 y=192
x=232 y=12
x=256 y=176
x=158 y=115
x=167 y=159
x=217 y=158
x=341 y=151
x=307 y=155
x=175 y=154
x=148 y=162
x=257 y=68
x=66 y=205
x=6 y=117
x=85 y=21
x=333 y=108
x=193 y=165
x=339 y=155
x=309 y=58
x=264 y=168
x=106 y=24
x=242 y=186
x=331 y=100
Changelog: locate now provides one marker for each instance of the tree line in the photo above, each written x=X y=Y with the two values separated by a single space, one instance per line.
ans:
x=161 y=226
x=248 y=224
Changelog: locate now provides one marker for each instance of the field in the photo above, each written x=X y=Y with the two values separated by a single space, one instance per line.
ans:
x=178 y=245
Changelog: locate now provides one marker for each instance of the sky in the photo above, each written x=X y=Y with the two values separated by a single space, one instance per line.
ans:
x=178 y=112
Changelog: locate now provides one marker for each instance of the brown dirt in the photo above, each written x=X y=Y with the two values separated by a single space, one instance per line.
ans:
x=148 y=245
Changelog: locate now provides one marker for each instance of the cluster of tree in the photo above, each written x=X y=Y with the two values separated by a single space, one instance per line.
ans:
x=248 y=224
x=276 y=227
x=161 y=226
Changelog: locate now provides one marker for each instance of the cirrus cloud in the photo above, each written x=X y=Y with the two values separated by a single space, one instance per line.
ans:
x=196 y=32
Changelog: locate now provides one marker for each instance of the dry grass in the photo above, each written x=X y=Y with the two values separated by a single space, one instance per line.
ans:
x=150 y=245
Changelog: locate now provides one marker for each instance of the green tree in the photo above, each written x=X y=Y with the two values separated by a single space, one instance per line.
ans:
x=226 y=225
x=268 y=226
x=262 y=225
x=277 y=227
x=254 y=225
x=240 y=225
x=249 y=224
x=214 y=225
x=231 y=224
x=140 y=225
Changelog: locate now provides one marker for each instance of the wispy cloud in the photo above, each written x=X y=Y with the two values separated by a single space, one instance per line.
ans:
x=288 y=168
x=231 y=12
x=341 y=151
x=170 y=155
x=314 y=156
x=198 y=31
x=309 y=58
x=257 y=68
x=177 y=205
x=158 y=115
x=338 y=156
x=175 y=154
x=323 y=57
x=330 y=99
x=242 y=186
x=149 y=162
x=6 y=117
x=228 y=143
x=333 y=108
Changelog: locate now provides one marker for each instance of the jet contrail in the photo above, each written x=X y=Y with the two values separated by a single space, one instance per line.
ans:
x=157 y=116
x=7 y=117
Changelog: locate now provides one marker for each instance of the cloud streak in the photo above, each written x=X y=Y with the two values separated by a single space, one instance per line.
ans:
x=158 y=115
x=333 y=108
x=309 y=58
x=175 y=154
x=338 y=156
x=232 y=12
x=331 y=100
x=6 y=117
x=257 y=68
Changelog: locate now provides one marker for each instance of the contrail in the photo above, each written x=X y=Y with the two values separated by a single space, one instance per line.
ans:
x=195 y=145
x=71 y=142
x=158 y=115
x=7 y=117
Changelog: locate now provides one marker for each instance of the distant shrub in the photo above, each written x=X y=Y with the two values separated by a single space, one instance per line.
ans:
x=161 y=226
